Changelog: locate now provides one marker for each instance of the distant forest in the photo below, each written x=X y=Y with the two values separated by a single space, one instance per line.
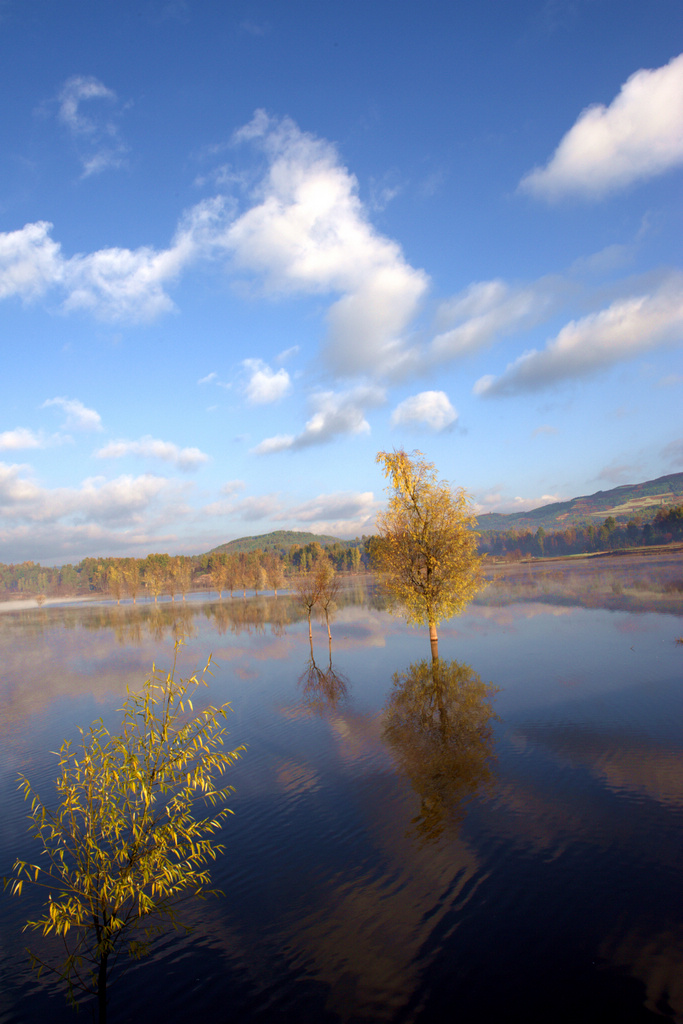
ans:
x=241 y=566
x=584 y=538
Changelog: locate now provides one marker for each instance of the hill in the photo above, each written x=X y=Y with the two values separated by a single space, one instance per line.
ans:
x=278 y=540
x=624 y=503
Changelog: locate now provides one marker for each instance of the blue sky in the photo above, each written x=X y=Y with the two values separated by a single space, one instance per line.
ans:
x=246 y=245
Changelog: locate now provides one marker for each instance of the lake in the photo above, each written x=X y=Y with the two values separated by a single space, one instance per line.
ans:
x=401 y=850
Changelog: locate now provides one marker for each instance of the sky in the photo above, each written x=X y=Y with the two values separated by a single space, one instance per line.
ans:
x=247 y=244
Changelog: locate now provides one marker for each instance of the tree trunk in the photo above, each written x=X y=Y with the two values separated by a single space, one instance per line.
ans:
x=310 y=628
x=102 y=990
x=434 y=640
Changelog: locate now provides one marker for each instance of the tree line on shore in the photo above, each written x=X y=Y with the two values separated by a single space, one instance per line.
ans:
x=584 y=538
x=257 y=571
x=178 y=575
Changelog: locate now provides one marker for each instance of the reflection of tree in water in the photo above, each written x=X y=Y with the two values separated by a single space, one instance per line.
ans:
x=439 y=724
x=250 y=616
x=183 y=622
x=323 y=688
x=132 y=622
x=128 y=632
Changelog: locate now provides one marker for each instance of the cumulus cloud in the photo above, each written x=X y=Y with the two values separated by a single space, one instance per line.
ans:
x=19 y=438
x=334 y=415
x=123 y=500
x=345 y=505
x=114 y=283
x=30 y=262
x=129 y=284
x=487 y=310
x=342 y=514
x=430 y=407
x=97 y=136
x=78 y=416
x=265 y=385
x=627 y=328
x=185 y=459
x=638 y=136
x=125 y=514
x=308 y=232
x=277 y=443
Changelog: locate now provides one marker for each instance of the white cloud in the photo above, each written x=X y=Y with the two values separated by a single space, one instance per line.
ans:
x=497 y=502
x=342 y=514
x=123 y=500
x=308 y=232
x=112 y=284
x=21 y=437
x=278 y=443
x=78 y=416
x=265 y=385
x=232 y=486
x=345 y=505
x=639 y=135
x=487 y=310
x=129 y=284
x=430 y=407
x=75 y=90
x=628 y=328
x=30 y=262
x=334 y=414
x=210 y=377
x=282 y=357
x=305 y=232
x=97 y=138
x=15 y=490
x=149 y=447
x=126 y=515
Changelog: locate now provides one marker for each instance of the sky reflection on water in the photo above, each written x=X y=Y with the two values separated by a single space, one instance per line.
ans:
x=547 y=888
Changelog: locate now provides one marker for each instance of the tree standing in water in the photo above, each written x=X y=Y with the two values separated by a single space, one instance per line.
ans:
x=307 y=593
x=327 y=585
x=125 y=846
x=427 y=546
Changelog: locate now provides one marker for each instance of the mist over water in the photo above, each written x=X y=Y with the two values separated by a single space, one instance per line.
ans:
x=500 y=839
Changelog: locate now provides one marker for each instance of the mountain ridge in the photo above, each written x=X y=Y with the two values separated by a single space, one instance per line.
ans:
x=624 y=502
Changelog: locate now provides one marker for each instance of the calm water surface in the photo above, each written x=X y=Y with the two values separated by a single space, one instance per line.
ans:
x=379 y=867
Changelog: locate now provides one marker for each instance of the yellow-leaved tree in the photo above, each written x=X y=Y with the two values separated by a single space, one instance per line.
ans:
x=427 y=547
x=126 y=846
